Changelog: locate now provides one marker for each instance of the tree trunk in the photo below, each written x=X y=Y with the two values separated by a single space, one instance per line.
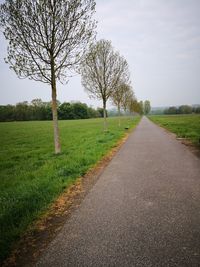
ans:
x=104 y=115
x=119 y=115
x=55 y=116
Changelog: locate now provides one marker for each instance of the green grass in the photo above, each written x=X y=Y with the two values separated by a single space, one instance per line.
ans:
x=185 y=126
x=32 y=177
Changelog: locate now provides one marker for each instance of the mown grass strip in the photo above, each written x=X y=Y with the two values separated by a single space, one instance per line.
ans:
x=32 y=177
x=184 y=126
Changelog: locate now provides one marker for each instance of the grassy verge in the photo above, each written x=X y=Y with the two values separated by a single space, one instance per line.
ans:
x=184 y=126
x=32 y=176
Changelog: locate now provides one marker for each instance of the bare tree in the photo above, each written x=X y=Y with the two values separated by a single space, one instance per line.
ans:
x=119 y=97
x=141 y=105
x=134 y=106
x=128 y=95
x=101 y=71
x=47 y=39
x=147 y=107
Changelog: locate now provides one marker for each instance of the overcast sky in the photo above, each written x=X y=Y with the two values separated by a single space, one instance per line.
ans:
x=160 y=40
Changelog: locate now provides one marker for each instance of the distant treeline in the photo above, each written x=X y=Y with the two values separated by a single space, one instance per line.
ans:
x=184 y=109
x=38 y=110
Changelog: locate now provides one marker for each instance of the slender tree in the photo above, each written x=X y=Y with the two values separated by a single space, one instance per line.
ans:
x=128 y=95
x=141 y=105
x=101 y=71
x=147 y=107
x=47 y=39
x=120 y=97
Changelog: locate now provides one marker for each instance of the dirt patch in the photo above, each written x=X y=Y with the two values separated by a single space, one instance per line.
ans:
x=27 y=251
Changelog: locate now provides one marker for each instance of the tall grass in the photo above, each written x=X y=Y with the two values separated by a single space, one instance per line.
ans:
x=32 y=176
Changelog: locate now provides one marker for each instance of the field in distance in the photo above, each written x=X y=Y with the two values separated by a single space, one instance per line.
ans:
x=184 y=126
x=32 y=176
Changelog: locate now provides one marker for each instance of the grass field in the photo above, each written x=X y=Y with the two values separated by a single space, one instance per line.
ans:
x=185 y=126
x=32 y=176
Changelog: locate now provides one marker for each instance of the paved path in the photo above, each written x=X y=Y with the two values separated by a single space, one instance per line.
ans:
x=143 y=211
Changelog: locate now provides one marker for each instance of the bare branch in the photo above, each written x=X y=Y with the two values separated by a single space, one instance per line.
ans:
x=102 y=71
x=39 y=30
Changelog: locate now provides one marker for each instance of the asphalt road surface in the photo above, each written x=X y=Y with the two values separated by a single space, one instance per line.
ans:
x=143 y=211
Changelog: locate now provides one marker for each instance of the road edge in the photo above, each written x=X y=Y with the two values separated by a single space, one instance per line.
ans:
x=41 y=233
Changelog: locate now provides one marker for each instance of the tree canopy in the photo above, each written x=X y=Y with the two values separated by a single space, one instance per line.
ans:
x=39 y=110
x=42 y=33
